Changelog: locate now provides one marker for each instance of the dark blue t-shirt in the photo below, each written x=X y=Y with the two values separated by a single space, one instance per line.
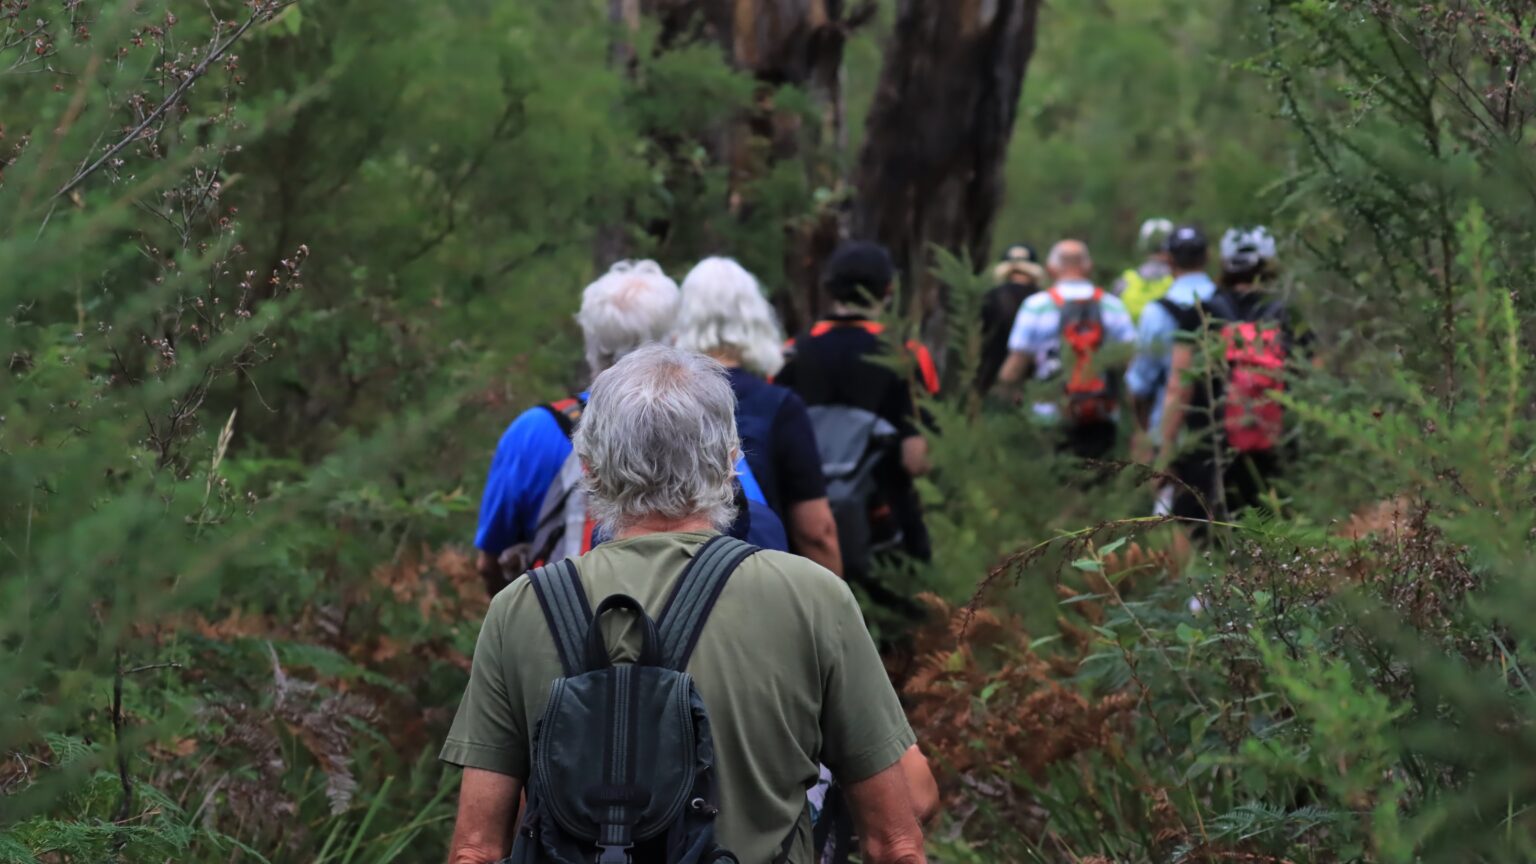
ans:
x=778 y=441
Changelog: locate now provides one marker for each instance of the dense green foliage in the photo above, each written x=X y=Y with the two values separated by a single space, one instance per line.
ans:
x=257 y=358
x=1134 y=110
x=1342 y=677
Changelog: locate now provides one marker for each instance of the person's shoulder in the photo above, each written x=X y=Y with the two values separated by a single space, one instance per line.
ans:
x=747 y=385
x=769 y=390
x=789 y=402
x=1156 y=315
x=511 y=605
x=797 y=576
x=534 y=423
x=1037 y=303
x=1114 y=304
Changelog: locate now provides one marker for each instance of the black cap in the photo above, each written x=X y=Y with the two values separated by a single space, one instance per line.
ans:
x=858 y=269
x=1020 y=252
x=1187 y=246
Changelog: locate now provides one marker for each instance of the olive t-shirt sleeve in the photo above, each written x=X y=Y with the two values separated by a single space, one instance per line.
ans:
x=863 y=728
x=489 y=731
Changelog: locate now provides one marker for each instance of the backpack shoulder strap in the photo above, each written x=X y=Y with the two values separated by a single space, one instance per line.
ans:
x=1273 y=311
x=566 y=610
x=1222 y=307
x=694 y=596
x=566 y=412
x=1185 y=318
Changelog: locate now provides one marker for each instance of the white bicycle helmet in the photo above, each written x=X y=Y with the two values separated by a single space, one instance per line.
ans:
x=1154 y=235
x=1244 y=249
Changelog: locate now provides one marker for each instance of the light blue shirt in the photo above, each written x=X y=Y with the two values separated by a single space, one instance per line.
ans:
x=1147 y=376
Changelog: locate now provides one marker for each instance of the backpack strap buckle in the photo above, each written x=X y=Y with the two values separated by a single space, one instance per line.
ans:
x=614 y=854
x=615 y=839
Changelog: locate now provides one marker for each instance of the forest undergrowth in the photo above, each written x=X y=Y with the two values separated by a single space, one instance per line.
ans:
x=261 y=334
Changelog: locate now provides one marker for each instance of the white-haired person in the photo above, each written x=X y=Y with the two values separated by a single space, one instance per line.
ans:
x=786 y=670
x=725 y=315
x=533 y=506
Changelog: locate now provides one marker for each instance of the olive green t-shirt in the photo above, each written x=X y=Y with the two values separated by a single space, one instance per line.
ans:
x=785 y=666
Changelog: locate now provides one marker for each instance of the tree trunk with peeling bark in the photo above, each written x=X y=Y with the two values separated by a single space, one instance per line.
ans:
x=781 y=42
x=931 y=169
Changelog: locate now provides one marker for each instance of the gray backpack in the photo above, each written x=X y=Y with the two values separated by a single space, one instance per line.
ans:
x=623 y=767
x=853 y=442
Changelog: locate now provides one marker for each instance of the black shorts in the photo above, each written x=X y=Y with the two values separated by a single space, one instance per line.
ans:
x=1194 y=497
x=1093 y=441
x=1247 y=479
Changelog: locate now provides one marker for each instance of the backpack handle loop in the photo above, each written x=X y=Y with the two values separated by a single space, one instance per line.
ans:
x=597 y=649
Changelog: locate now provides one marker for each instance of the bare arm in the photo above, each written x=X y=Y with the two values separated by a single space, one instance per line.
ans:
x=1014 y=368
x=920 y=785
x=487 y=803
x=914 y=456
x=1176 y=402
x=882 y=811
x=813 y=533
x=1143 y=447
x=1141 y=410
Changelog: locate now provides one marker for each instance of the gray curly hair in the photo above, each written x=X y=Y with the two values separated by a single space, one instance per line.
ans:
x=658 y=438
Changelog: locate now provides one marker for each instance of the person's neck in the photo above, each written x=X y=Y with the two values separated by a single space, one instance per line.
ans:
x=1072 y=278
x=665 y=525
x=844 y=310
x=1180 y=274
x=728 y=359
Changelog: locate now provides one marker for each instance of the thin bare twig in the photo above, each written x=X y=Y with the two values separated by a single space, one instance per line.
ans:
x=176 y=95
x=125 y=805
x=152 y=666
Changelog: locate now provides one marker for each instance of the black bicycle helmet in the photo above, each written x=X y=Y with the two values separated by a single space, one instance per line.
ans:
x=1187 y=247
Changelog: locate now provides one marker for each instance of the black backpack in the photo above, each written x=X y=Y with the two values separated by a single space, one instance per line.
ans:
x=1193 y=322
x=623 y=768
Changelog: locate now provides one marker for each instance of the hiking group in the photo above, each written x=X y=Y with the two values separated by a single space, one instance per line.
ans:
x=673 y=667
x=1198 y=365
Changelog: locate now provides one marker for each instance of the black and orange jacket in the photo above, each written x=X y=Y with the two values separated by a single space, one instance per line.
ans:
x=829 y=365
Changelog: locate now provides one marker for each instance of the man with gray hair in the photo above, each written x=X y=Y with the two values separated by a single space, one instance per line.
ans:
x=533 y=509
x=786 y=669
x=1065 y=333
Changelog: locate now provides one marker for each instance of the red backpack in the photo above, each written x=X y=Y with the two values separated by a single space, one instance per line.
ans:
x=1090 y=393
x=1256 y=353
